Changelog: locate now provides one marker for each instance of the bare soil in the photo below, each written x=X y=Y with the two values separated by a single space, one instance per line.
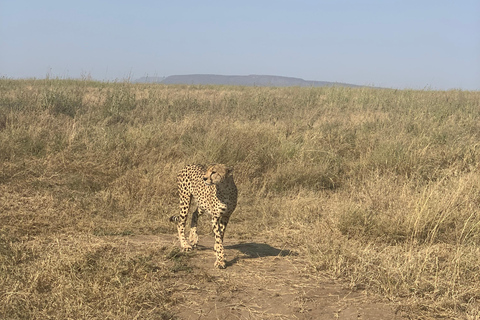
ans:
x=261 y=281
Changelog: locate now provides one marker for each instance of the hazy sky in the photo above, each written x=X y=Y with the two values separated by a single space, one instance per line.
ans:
x=400 y=44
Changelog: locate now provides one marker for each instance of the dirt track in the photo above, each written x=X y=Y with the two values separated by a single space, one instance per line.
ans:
x=262 y=282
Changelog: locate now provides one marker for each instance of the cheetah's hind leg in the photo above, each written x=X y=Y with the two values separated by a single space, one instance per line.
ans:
x=193 y=236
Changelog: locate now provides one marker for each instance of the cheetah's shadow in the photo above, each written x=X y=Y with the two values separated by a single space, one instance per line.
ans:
x=254 y=250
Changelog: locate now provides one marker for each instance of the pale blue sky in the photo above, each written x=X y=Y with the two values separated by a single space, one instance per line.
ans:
x=399 y=44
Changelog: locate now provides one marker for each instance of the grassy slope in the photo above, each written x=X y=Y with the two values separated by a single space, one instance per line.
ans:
x=380 y=187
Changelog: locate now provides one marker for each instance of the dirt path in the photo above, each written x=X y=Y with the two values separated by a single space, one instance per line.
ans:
x=262 y=282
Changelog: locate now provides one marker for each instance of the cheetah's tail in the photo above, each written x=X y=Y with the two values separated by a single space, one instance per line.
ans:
x=174 y=218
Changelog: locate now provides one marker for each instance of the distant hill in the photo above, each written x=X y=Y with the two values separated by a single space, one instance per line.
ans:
x=250 y=80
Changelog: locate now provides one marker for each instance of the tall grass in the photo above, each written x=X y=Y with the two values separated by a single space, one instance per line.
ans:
x=379 y=187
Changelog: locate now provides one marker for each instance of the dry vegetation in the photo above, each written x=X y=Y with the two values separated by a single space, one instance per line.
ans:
x=377 y=187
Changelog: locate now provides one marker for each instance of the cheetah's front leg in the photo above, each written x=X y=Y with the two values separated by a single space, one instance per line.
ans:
x=218 y=230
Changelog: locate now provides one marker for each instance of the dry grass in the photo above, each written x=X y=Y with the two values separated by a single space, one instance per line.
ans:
x=379 y=187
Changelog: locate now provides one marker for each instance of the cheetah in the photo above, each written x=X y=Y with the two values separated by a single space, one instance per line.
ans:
x=210 y=190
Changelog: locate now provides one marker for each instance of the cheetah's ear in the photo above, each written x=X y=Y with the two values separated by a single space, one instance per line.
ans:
x=229 y=170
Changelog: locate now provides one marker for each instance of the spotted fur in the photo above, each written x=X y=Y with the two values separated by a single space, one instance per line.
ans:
x=203 y=190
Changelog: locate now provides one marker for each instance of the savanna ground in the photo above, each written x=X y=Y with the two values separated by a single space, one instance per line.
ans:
x=353 y=203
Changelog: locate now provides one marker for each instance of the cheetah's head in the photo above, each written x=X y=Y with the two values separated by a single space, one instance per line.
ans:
x=216 y=174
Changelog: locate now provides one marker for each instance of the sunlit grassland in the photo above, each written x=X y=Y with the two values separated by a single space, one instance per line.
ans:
x=379 y=187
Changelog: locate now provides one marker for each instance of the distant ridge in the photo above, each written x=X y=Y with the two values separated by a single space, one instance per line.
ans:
x=250 y=80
